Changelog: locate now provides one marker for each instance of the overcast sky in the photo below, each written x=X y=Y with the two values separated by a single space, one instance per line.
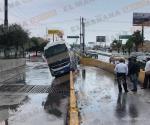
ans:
x=104 y=17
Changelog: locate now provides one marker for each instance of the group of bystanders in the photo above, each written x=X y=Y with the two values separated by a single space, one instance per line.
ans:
x=131 y=70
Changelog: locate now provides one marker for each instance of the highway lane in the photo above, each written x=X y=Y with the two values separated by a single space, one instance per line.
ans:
x=36 y=107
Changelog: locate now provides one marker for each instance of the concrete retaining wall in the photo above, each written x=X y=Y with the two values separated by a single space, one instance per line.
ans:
x=97 y=63
x=106 y=66
x=12 y=70
x=8 y=64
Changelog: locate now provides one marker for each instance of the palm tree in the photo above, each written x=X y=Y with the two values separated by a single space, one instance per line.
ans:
x=137 y=39
x=129 y=44
x=117 y=44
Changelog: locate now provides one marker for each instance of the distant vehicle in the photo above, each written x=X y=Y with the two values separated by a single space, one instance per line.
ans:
x=142 y=60
x=58 y=58
x=115 y=59
x=147 y=54
x=135 y=54
x=91 y=54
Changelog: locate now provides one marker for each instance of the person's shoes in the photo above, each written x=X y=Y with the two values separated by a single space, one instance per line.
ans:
x=134 y=90
x=126 y=91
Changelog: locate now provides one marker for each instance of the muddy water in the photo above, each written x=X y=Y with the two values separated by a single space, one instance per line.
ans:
x=36 y=109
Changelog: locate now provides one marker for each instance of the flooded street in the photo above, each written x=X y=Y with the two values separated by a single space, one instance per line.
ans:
x=60 y=62
x=40 y=100
x=100 y=104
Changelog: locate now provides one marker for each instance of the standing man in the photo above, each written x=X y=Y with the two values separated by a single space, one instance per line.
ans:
x=134 y=69
x=121 y=70
x=147 y=74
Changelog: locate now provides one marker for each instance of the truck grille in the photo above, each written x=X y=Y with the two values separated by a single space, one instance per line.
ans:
x=60 y=63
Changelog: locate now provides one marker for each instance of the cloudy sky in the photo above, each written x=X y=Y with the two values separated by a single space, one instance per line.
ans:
x=103 y=17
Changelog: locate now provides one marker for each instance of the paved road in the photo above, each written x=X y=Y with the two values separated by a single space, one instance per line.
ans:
x=100 y=103
x=36 y=109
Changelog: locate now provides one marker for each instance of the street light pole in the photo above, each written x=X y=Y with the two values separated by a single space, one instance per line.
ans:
x=6 y=13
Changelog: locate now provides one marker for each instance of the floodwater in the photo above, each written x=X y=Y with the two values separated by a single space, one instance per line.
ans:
x=36 y=108
x=100 y=104
x=97 y=97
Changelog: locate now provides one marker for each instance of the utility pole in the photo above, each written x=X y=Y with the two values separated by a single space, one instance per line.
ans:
x=142 y=34
x=6 y=13
x=83 y=34
x=53 y=37
x=46 y=34
x=80 y=34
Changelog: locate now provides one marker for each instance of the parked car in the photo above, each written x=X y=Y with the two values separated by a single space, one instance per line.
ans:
x=142 y=60
x=135 y=54
x=115 y=59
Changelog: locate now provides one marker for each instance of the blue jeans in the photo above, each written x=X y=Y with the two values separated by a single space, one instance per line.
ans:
x=134 y=80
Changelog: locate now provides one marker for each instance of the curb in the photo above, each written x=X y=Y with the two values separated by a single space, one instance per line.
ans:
x=73 y=110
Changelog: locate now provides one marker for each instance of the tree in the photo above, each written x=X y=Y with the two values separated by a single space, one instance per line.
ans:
x=129 y=44
x=37 y=44
x=13 y=37
x=123 y=49
x=18 y=37
x=137 y=39
x=117 y=44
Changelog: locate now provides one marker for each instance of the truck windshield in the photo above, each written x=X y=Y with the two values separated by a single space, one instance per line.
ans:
x=55 y=50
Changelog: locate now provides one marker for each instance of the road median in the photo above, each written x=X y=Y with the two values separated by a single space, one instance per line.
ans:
x=107 y=67
x=73 y=110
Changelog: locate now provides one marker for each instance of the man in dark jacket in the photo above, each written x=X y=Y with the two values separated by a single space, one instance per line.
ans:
x=133 y=68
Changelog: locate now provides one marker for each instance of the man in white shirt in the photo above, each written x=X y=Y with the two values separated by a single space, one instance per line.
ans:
x=121 y=70
x=147 y=74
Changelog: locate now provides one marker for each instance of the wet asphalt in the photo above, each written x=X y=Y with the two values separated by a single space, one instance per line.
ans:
x=36 y=108
x=98 y=100
x=100 y=103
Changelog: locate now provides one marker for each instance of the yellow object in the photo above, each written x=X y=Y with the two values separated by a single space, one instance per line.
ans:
x=73 y=114
x=107 y=67
x=57 y=32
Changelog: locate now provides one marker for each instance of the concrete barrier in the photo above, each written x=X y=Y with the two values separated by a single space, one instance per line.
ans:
x=107 y=67
x=73 y=111
x=12 y=70
x=8 y=64
x=97 y=63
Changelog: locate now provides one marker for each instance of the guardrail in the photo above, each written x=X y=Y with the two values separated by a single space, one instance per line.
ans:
x=107 y=67
x=73 y=110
